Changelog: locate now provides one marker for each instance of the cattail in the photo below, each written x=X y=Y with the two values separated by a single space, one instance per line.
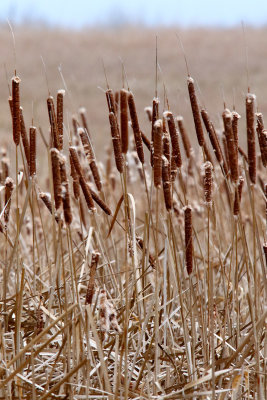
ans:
x=208 y=183
x=166 y=179
x=155 y=116
x=135 y=127
x=250 y=103
x=151 y=259
x=195 y=110
x=46 y=199
x=82 y=112
x=184 y=135
x=65 y=191
x=146 y=141
x=212 y=135
x=262 y=138
x=265 y=252
x=188 y=239
x=5 y=168
x=166 y=146
x=111 y=101
x=231 y=147
x=207 y=152
x=56 y=177
x=10 y=102
x=124 y=120
x=157 y=156
x=60 y=96
x=16 y=109
x=75 y=125
x=173 y=168
x=117 y=100
x=116 y=142
x=32 y=150
x=174 y=138
x=100 y=202
x=89 y=152
x=53 y=122
x=148 y=111
x=75 y=179
x=235 y=119
x=238 y=194
x=24 y=137
x=9 y=186
x=91 y=284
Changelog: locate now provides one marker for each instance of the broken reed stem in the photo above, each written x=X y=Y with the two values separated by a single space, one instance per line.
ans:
x=238 y=195
x=53 y=122
x=56 y=177
x=116 y=142
x=32 y=150
x=174 y=138
x=124 y=120
x=89 y=152
x=65 y=191
x=60 y=97
x=91 y=284
x=85 y=188
x=188 y=239
x=136 y=128
x=195 y=110
x=184 y=135
x=16 y=109
x=250 y=115
x=24 y=138
x=157 y=156
x=231 y=147
x=262 y=138
x=9 y=187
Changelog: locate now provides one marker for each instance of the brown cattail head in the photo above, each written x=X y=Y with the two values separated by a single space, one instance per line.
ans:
x=75 y=125
x=65 y=190
x=146 y=141
x=195 y=110
x=184 y=135
x=136 y=128
x=235 y=119
x=32 y=150
x=111 y=101
x=265 y=252
x=231 y=146
x=24 y=137
x=60 y=96
x=174 y=138
x=82 y=112
x=116 y=142
x=5 y=168
x=166 y=146
x=173 y=168
x=188 y=239
x=148 y=111
x=155 y=116
x=16 y=109
x=46 y=199
x=157 y=156
x=56 y=177
x=250 y=114
x=212 y=135
x=100 y=202
x=124 y=119
x=91 y=284
x=262 y=138
x=9 y=186
x=238 y=195
x=75 y=180
x=53 y=122
x=166 y=179
x=208 y=182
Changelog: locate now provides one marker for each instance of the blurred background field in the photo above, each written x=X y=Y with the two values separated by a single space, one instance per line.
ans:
x=216 y=58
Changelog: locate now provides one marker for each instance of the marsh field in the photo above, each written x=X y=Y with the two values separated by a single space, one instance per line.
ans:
x=133 y=214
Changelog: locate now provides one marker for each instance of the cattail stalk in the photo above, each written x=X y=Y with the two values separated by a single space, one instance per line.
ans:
x=124 y=120
x=136 y=128
x=184 y=135
x=91 y=284
x=250 y=114
x=157 y=156
x=16 y=109
x=32 y=150
x=235 y=119
x=195 y=110
x=231 y=147
x=56 y=177
x=188 y=239
x=24 y=138
x=116 y=142
x=60 y=96
x=174 y=138
x=100 y=202
x=146 y=141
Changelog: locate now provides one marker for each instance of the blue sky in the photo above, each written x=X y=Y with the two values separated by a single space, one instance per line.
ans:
x=77 y=13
